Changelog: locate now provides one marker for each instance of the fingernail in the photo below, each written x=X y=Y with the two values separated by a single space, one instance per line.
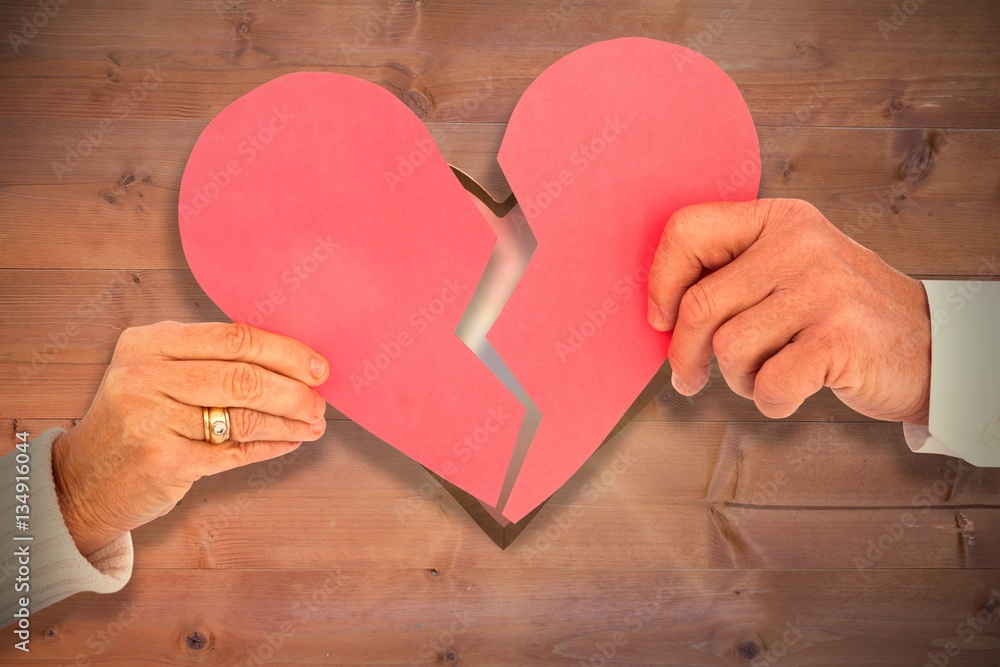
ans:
x=319 y=427
x=679 y=385
x=690 y=389
x=655 y=316
x=318 y=367
x=321 y=407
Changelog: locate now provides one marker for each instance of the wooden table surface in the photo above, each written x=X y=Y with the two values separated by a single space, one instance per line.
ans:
x=701 y=534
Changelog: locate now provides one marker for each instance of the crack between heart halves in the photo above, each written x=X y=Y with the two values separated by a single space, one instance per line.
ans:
x=510 y=257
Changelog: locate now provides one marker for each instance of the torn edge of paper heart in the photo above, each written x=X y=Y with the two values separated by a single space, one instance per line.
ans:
x=514 y=248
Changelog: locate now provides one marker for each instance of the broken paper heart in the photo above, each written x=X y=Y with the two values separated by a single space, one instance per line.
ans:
x=318 y=206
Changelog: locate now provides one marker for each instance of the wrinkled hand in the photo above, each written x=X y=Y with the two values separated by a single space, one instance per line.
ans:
x=789 y=304
x=141 y=445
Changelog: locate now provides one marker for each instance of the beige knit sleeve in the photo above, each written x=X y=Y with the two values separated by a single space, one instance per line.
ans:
x=48 y=567
x=965 y=373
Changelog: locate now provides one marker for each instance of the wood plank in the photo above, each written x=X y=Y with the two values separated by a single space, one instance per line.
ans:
x=938 y=69
x=899 y=192
x=689 y=496
x=864 y=516
x=58 y=384
x=379 y=615
x=61 y=328
x=775 y=465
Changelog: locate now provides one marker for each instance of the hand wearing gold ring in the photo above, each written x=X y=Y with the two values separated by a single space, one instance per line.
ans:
x=179 y=402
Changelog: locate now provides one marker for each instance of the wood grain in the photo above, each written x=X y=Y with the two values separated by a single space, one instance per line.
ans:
x=700 y=534
x=408 y=616
x=735 y=495
x=907 y=194
x=60 y=336
x=454 y=62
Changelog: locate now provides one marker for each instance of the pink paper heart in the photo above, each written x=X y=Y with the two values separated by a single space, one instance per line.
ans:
x=318 y=206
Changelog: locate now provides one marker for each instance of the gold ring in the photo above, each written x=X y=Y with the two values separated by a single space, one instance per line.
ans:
x=216 y=424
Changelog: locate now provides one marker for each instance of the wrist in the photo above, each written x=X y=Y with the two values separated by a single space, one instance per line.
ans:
x=924 y=331
x=86 y=533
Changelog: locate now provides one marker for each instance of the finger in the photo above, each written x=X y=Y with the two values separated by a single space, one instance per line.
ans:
x=749 y=339
x=242 y=342
x=235 y=384
x=704 y=236
x=706 y=306
x=229 y=455
x=247 y=425
x=791 y=376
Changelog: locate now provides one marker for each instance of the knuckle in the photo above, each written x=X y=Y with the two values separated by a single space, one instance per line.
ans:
x=679 y=227
x=158 y=328
x=239 y=340
x=727 y=347
x=768 y=395
x=833 y=335
x=799 y=208
x=697 y=306
x=791 y=214
x=244 y=382
x=128 y=335
x=125 y=379
x=137 y=341
x=760 y=213
x=814 y=245
x=128 y=342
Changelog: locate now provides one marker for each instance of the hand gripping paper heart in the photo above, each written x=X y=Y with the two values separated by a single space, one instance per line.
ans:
x=318 y=206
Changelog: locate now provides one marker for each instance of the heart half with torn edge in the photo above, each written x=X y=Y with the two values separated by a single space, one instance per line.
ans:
x=318 y=206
